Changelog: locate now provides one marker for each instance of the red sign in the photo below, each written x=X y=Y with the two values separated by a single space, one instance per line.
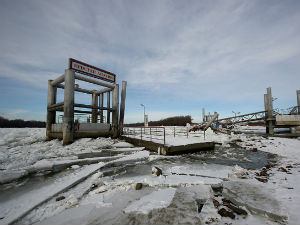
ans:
x=91 y=71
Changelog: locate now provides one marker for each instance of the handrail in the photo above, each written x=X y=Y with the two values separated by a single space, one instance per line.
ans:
x=288 y=111
x=139 y=133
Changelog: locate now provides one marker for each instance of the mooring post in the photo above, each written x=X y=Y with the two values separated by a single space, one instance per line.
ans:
x=51 y=115
x=115 y=113
x=270 y=111
x=108 y=106
x=101 y=105
x=266 y=114
x=122 y=106
x=94 y=105
x=298 y=100
x=68 y=125
x=94 y=110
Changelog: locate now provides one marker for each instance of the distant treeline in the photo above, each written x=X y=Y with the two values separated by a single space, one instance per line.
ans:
x=18 y=123
x=170 y=121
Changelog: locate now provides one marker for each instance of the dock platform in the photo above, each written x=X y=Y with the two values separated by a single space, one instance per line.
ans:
x=164 y=149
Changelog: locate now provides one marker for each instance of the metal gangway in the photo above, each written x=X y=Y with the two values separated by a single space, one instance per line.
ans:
x=261 y=115
x=256 y=116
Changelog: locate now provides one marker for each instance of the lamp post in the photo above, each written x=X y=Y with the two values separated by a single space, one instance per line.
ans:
x=236 y=113
x=144 y=114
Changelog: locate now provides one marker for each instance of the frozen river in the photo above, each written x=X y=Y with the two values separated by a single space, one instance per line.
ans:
x=105 y=181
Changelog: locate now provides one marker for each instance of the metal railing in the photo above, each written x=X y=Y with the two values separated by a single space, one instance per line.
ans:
x=177 y=131
x=146 y=133
x=258 y=116
x=82 y=118
x=289 y=111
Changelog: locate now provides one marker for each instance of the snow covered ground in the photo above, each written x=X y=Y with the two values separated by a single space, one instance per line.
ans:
x=176 y=135
x=247 y=180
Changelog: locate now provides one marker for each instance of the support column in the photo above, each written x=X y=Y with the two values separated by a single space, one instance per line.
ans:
x=50 y=114
x=122 y=106
x=108 y=106
x=270 y=111
x=94 y=104
x=68 y=126
x=101 y=105
x=115 y=113
x=298 y=100
x=266 y=114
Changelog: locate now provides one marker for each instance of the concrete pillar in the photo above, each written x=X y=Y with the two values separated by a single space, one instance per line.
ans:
x=270 y=102
x=50 y=114
x=270 y=111
x=266 y=114
x=115 y=113
x=298 y=100
x=68 y=126
x=94 y=104
x=266 y=103
x=122 y=106
x=108 y=106
x=101 y=105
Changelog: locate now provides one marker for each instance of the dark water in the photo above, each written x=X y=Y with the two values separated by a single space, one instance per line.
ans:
x=234 y=156
x=223 y=156
x=238 y=156
x=229 y=156
x=36 y=181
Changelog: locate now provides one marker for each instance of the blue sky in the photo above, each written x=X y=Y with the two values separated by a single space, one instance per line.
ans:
x=177 y=56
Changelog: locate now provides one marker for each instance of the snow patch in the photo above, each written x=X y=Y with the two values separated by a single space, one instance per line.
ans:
x=157 y=199
x=123 y=145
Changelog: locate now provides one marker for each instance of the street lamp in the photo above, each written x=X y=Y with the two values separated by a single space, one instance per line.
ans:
x=144 y=114
x=236 y=113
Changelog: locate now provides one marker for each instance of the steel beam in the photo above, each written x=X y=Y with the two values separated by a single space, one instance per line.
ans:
x=58 y=80
x=94 y=108
x=93 y=81
x=76 y=89
x=52 y=91
x=122 y=106
x=108 y=106
x=115 y=114
x=104 y=90
x=68 y=126
x=101 y=106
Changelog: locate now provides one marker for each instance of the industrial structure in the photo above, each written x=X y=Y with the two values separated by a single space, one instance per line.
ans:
x=289 y=119
x=70 y=129
x=274 y=118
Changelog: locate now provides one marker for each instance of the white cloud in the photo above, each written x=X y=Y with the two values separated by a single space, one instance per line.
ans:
x=13 y=113
x=227 y=51
x=23 y=114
